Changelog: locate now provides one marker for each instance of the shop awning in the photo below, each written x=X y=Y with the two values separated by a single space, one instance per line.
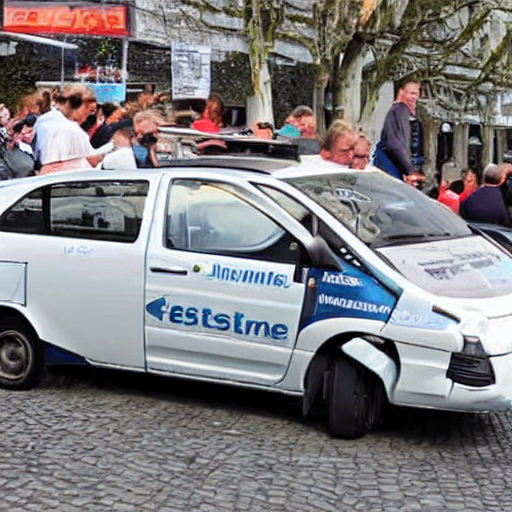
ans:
x=38 y=39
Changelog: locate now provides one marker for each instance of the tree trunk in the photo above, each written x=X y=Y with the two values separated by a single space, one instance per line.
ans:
x=488 y=145
x=430 y=131
x=460 y=144
x=259 y=106
x=349 y=94
x=321 y=80
x=348 y=77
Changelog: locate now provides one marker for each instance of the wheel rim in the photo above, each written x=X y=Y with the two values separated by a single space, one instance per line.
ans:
x=15 y=356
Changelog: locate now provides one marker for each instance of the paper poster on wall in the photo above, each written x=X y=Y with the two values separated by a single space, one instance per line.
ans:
x=191 y=65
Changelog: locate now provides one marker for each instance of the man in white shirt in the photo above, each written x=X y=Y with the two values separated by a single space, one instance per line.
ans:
x=61 y=144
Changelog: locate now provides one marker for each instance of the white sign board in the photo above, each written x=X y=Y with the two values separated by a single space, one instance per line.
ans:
x=190 y=70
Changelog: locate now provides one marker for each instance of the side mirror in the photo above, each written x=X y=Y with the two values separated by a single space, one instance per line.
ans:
x=322 y=256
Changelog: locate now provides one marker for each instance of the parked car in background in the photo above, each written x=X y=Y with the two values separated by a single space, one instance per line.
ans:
x=501 y=234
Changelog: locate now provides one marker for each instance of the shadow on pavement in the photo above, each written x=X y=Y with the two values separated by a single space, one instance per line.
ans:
x=415 y=425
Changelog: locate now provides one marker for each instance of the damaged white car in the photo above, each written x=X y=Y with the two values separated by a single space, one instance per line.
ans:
x=345 y=288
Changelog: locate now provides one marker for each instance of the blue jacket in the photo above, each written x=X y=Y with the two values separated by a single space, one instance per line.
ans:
x=485 y=205
x=393 y=153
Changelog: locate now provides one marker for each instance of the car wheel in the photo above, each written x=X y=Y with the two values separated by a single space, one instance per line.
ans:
x=355 y=399
x=20 y=355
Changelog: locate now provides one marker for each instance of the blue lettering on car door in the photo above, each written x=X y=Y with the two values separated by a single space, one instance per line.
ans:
x=237 y=323
x=350 y=293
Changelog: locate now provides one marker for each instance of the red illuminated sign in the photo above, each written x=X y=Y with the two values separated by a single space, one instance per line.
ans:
x=94 y=21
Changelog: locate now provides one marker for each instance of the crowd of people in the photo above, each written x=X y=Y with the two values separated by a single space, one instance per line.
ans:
x=68 y=130
x=491 y=202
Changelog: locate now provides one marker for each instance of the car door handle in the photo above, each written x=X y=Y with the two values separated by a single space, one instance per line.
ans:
x=175 y=271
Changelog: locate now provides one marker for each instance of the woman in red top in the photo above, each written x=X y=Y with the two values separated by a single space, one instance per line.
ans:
x=470 y=180
x=211 y=120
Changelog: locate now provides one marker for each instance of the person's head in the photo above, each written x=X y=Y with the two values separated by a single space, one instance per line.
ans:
x=145 y=99
x=214 y=108
x=112 y=113
x=362 y=151
x=23 y=131
x=456 y=186
x=408 y=93
x=339 y=142
x=469 y=177
x=5 y=115
x=77 y=102
x=494 y=175
x=44 y=101
x=107 y=109
x=303 y=118
x=506 y=170
x=145 y=127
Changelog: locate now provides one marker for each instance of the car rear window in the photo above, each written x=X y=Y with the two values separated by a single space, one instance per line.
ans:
x=96 y=210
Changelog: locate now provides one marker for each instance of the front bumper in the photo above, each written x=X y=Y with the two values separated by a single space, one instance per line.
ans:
x=423 y=382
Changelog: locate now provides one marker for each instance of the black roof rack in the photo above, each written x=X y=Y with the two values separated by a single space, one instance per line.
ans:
x=192 y=143
x=251 y=163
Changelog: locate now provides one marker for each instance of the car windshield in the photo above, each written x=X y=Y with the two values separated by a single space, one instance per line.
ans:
x=379 y=209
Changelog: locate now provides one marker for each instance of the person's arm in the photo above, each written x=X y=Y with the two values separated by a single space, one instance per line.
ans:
x=152 y=155
x=94 y=160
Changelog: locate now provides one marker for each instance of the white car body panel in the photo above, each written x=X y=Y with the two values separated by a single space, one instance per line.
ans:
x=13 y=282
x=66 y=294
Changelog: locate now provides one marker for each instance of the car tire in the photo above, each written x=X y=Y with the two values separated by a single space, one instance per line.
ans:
x=21 y=360
x=355 y=399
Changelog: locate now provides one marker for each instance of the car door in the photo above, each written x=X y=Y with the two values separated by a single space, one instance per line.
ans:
x=223 y=294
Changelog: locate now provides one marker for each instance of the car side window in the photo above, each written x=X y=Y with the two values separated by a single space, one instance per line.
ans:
x=205 y=217
x=26 y=216
x=95 y=210
x=315 y=226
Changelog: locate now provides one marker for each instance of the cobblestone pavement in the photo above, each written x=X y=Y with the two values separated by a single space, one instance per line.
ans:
x=108 y=441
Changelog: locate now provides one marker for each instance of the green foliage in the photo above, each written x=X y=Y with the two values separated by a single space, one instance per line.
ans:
x=291 y=86
x=99 y=51
x=21 y=71
x=232 y=78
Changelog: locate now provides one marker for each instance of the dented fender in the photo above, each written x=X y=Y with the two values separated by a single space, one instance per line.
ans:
x=376 y=361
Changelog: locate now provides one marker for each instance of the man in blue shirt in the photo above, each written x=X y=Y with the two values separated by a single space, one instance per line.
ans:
x=394 y=150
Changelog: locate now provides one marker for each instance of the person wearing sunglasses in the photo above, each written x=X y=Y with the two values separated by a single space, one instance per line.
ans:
x=17 y=157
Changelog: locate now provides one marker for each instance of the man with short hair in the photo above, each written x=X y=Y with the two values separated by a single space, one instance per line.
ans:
x=394 y=151
x=339 y=142
x=487 y=204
